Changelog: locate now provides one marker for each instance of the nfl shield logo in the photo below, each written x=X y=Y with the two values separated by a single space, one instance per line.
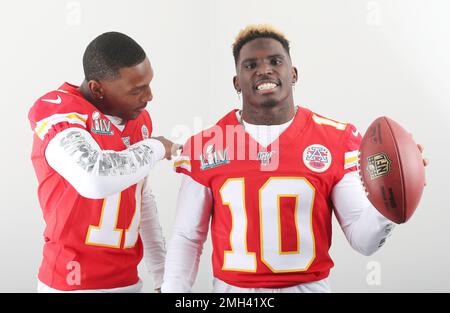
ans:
x=126 y=141
x=378 y=165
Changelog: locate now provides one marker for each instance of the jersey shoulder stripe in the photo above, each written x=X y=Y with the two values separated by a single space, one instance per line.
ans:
x=44 y=125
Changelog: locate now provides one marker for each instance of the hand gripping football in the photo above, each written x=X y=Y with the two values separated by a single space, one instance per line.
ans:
x=392 y=170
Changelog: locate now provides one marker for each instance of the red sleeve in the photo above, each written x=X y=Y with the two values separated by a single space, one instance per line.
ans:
x=352 y=141
x=48 y=119
x=189 y=162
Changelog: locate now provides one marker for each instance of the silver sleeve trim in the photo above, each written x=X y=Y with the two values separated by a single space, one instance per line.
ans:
x=105 y=163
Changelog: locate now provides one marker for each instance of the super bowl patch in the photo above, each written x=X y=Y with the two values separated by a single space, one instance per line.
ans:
x=213 y=158
x=101 y=126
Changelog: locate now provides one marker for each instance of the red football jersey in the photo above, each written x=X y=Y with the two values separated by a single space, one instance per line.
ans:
x=271 y=220
x=89 y=244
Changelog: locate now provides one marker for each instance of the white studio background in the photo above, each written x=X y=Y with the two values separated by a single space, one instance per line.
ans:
x=357 y=60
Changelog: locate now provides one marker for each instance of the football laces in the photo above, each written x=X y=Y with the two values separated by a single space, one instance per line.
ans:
x=358 y=166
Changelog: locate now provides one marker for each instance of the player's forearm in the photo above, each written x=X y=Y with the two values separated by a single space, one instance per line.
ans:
x=190 y=232
x=152 y=237
x=365 y=228
x=369 y=232
x=154 y=254
x=97 y=173
x=181 y=268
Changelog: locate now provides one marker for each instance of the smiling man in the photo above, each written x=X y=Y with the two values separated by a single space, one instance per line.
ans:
x=92 y=152
x=271 y=206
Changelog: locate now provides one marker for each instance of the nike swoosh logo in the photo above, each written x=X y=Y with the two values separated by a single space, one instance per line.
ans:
x=355 y=133
x=58 y=100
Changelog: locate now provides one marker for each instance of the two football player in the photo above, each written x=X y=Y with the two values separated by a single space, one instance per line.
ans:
x=268 y=177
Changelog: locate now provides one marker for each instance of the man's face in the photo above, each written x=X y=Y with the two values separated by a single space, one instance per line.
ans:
x=264 y=73
x=127 y=96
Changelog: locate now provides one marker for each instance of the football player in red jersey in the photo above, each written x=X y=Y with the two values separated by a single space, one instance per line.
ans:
x=92 y=152
x=269 y=177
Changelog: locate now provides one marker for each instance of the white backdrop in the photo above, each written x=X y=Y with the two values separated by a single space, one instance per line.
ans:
x=357 y=60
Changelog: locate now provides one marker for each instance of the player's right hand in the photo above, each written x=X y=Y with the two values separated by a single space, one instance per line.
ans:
x=171 y=148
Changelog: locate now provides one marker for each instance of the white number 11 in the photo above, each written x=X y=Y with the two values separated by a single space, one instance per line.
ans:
x=106 y=234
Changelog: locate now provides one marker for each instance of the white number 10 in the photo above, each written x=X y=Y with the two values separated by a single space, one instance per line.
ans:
x=239 y=258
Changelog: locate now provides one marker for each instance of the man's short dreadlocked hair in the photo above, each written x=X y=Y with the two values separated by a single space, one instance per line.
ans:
x=252 y=32
x=108 y=53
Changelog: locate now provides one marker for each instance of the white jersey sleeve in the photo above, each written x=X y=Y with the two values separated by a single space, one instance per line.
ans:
x=97 y=173
x=364 y=227
x=151 y=235
x=189 y=234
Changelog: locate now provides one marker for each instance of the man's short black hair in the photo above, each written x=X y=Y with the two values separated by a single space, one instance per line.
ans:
x=252 y=32
x=108 y=53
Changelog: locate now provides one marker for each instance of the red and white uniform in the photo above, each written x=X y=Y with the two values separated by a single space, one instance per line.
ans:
x=92 y=188
x=270 y=202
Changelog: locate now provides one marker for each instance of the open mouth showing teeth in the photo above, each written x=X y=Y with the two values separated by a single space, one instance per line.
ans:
x=266 y=86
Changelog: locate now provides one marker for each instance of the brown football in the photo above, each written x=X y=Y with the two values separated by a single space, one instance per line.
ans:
x=391 y=169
